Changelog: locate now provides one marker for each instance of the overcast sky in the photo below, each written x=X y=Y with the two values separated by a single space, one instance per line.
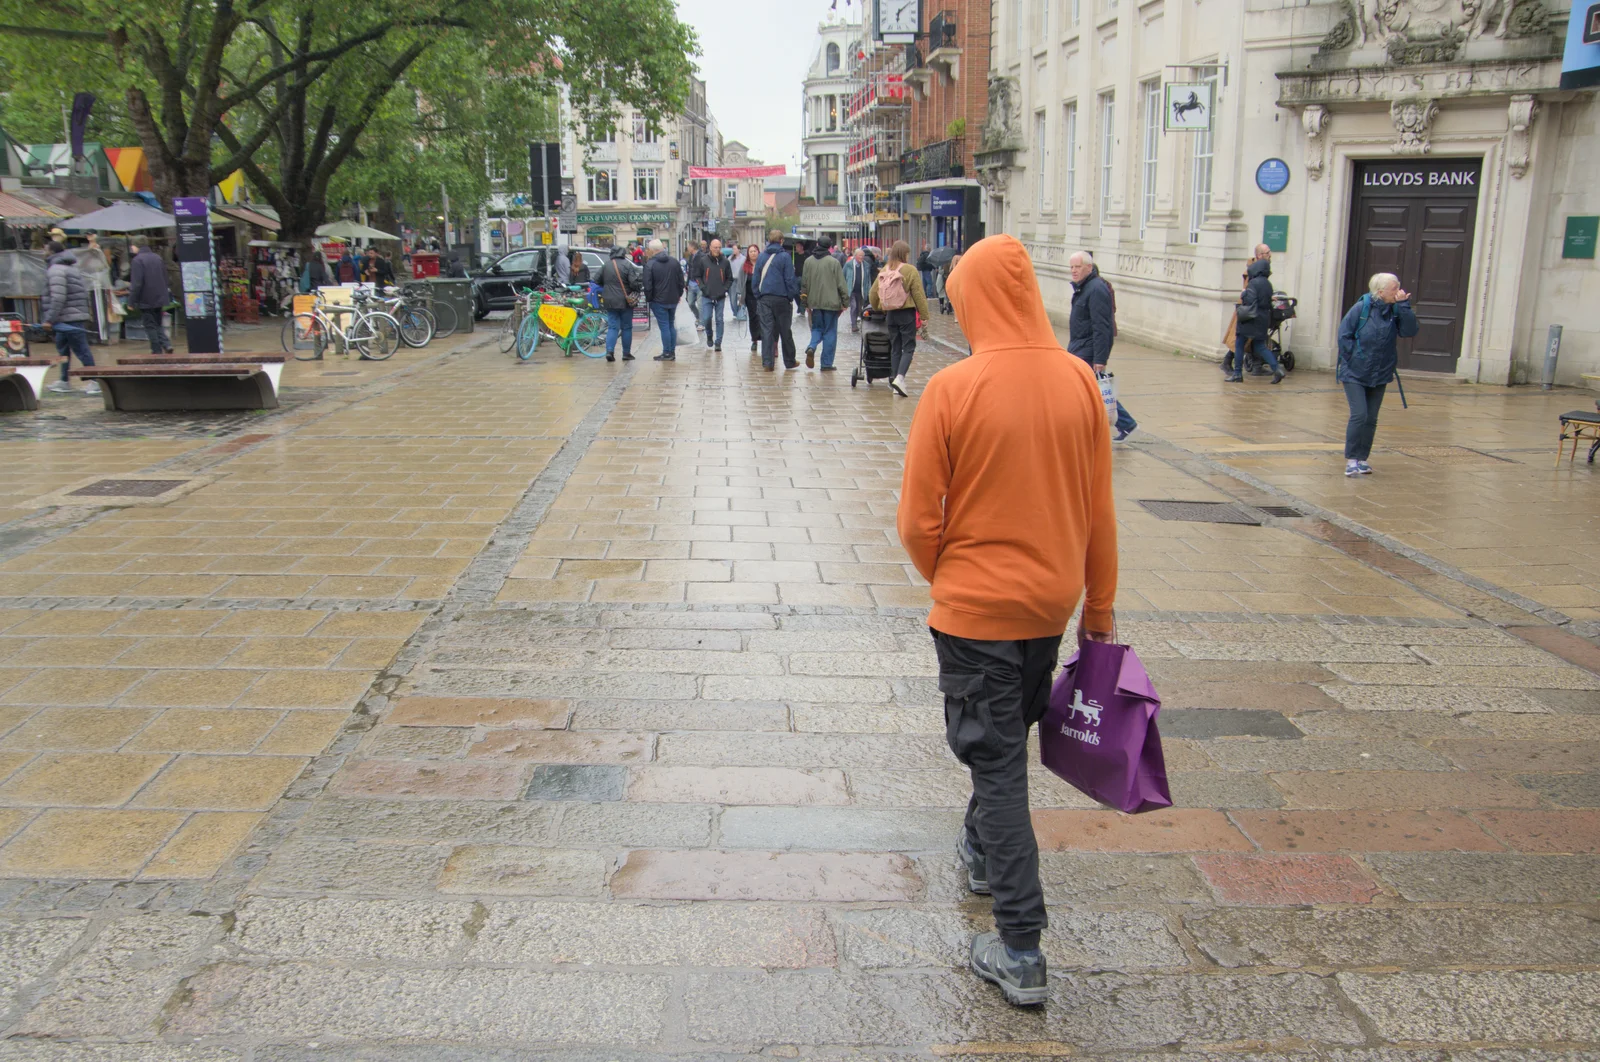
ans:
x=754 y=54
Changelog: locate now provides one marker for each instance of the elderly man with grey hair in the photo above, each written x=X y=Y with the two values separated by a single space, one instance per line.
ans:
x=663 y=290
x=1092 y=326
x=1368 y=337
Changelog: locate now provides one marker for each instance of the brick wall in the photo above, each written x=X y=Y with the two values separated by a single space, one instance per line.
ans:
x=967 y=97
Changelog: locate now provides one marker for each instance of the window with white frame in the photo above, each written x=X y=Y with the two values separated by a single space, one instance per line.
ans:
x=1200 y=178
x=1041 y=22
x=1069 y=151
x=647 y=184
x=1077 y=12
x=603 y=186
x=605 y=136
x=643 y=134
x=833 y=112
x=1151 y=145
x=1041 y=160
x=832 y=63
x=1108 y=148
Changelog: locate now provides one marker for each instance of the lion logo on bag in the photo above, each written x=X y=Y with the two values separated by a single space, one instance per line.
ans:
x=1090 y=710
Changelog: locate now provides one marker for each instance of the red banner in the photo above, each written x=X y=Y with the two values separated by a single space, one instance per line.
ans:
x=716 y=172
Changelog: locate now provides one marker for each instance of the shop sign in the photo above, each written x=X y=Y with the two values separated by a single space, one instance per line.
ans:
x=1188 y=107
x=1449 y=176
x=1580 y=59
x=1580 y=236
x=823 y=215
x=948 y=202
x=917 y=202
x=625 y=217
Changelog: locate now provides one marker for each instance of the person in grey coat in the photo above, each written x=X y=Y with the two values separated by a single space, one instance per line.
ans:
x=66 y=308
x=148 y=293
x=1368 y=358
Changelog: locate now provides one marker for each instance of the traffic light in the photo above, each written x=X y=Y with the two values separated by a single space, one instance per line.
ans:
x=544 y=176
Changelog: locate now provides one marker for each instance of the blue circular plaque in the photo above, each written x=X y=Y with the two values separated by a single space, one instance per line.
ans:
x=1272 y=176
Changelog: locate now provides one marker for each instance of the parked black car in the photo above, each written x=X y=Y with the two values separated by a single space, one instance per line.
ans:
x=496 y=287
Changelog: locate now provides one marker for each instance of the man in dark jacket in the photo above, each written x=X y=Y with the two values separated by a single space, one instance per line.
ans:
x=148 y=293
x=925 y=267
x=694 y=263
x=1255 y=317
x=66 y=308
x=663 y=290
x=716 y=281
x=779 y=288
x=617 y=281
x=1092 y=327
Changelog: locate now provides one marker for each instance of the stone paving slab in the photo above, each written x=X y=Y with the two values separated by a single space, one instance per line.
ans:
x=593 y=720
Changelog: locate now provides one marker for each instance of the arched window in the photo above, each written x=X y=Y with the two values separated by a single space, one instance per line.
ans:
x=833 y=58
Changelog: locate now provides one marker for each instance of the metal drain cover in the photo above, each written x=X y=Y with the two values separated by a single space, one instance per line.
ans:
x=127 y=488
x=1283 y=512
x=1200 y=512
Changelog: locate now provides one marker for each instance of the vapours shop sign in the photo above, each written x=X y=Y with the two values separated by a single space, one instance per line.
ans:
x=1460 y=178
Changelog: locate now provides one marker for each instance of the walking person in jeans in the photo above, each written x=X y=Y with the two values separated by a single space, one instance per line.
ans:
x=148 y=293
x=823 y=288
x=618 y=280
x=779 y=288
x=858 y=281
x=1368 y=359
x=66 y=309
x=716 y=280
x=663 y=290
x=1092 y=327
x=694 y=261
x=898 y=292
x=1255 y=317
x=1009 y=545
x=752 y=296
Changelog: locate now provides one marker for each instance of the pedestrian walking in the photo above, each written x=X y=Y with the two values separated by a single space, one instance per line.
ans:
x=618 y=280
x=1009 y=546
x=1254 y=314
x=752 y=294
x=1368 y=359
x=736 y=296
x=898 y=292
x=941 y=280
x=858 y=281
x=1092 y=326
x=823 y=287
x=693 y=266
x=716 y=280
x=563 y=269
x=925 y=268
x=779 y=288
x=385 y=272
x=149 y=295
x=66 y=308
x=663 y=290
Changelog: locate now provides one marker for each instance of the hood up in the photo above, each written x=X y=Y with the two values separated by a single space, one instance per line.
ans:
x=64 y=258
x=996 y=297
x=1261 y=267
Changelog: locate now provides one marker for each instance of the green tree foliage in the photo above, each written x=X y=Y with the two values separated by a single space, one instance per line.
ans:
x=293 y=91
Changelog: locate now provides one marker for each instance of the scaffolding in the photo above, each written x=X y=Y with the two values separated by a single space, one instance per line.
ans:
x=878 y=118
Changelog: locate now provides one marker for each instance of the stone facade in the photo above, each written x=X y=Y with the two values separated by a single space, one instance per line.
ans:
x=1172 y=217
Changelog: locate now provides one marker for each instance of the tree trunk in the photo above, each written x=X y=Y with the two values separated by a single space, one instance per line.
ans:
x=386 y=220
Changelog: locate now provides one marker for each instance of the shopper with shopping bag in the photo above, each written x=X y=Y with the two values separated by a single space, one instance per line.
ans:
x=1100 y=731
x=1005 y=508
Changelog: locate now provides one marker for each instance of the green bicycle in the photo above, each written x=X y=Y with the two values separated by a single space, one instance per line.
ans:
x=569 y=320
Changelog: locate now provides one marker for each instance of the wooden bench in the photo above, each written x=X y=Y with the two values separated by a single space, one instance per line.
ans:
x=1578 y=426
x=174 y=383
x=22 y=381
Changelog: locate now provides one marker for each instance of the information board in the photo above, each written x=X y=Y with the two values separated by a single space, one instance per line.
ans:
x=201 y=321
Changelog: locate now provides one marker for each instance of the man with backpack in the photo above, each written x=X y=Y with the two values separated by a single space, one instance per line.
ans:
x=779 y=288
x=1093 y=325
x=1368 y=359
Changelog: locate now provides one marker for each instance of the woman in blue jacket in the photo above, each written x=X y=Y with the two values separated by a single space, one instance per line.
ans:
x=1367 y=361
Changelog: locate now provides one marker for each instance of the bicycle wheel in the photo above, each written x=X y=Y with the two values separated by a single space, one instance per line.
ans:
x=589 y=335
x=433 y=322
x=375 y=336
x=305 y=336
x=508 y=331
x=444 y=318
x=528 y=337
x=415 y=329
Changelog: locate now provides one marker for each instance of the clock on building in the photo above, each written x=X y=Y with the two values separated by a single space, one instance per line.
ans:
x=899 y=21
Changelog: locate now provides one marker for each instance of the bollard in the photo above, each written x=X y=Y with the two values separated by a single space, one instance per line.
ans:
x=1552 y=350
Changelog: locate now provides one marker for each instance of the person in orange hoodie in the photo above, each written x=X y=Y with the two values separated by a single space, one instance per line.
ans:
x=1005 y=508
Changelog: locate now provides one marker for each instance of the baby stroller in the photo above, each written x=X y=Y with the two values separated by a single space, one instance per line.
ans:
x=1283 y=309
x=875 y=362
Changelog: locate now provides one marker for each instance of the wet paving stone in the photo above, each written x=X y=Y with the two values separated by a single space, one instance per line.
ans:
x=1366 y=830
x=839 y=829
x=1490 y=877
x=1566 y=790
x=1075 y=939
x=574 y=782
x=1491 y=1005
x=1226 y=722
x=1261 y=880
x=803 y=877
x=515 y=870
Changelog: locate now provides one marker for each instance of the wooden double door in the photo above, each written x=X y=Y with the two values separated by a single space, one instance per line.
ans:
x=1416 y=219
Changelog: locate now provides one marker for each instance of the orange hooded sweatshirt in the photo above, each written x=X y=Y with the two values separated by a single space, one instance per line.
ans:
x=1005 y=506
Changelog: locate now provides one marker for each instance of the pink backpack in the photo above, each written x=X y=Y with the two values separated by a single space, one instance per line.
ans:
x=892 y=293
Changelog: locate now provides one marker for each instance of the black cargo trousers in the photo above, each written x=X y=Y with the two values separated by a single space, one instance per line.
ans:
x=994 y=692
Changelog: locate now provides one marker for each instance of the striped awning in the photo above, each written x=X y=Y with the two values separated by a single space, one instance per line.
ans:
x=16 y=211
x=249 y=217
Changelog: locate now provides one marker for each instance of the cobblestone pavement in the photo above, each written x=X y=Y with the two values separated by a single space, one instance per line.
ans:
x=577 y=711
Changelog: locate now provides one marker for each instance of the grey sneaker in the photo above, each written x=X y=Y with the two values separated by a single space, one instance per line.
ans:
x=1022 y=980
x=60 y=387
x=974 y=863
x=91 y=388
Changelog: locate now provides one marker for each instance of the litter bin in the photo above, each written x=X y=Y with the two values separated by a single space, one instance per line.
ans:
x=458 y=293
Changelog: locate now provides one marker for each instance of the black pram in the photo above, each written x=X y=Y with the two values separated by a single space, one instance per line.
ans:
x=875 y=361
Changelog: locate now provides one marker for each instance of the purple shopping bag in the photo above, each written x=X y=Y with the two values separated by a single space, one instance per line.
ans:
x=1099 y=732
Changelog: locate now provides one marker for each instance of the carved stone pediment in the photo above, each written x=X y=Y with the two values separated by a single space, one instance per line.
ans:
x=1433 y=31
